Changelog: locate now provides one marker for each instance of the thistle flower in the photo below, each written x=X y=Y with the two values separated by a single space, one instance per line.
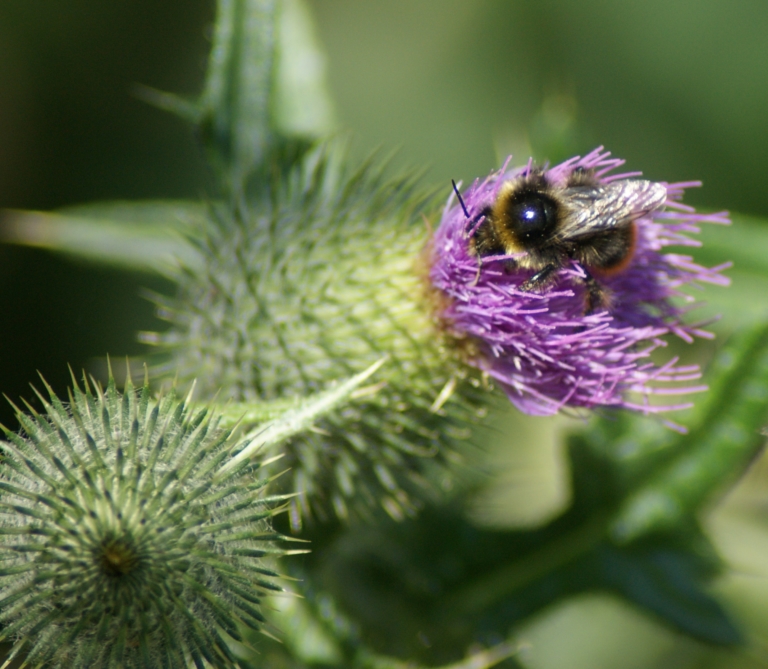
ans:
x=121 y=542
x=544 y=347
x=331 y=269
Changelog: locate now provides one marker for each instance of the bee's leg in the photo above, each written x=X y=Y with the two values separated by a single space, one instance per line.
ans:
x=479 y=267
x=596 y=296
x=540 y=279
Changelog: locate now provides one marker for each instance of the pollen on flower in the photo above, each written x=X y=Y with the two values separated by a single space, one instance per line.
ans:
x=555 y=283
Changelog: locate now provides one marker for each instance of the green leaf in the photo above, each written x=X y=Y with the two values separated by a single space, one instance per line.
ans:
x=725 y=435
x=302 y=104
x=667 y=580
x=144 y=236
x=320 y=635
x=265 y=98
x=235 y=104
x=441 y=578
x=635 y=445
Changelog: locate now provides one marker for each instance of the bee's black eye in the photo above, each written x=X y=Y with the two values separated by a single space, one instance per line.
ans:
x=532 y=215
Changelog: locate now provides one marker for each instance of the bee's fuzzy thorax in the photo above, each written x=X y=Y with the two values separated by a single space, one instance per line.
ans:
x=541 y=345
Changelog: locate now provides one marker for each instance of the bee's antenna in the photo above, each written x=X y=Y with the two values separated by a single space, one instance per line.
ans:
x=461 y=201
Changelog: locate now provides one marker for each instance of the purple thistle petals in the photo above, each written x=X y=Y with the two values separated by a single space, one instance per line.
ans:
x=541 y=347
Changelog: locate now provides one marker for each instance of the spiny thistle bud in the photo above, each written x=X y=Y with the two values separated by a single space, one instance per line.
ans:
x=554 y=284
x=123 y=542
x=317 y=281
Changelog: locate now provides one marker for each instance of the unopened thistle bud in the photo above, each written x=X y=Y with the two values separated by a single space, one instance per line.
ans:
x=306 y=287
x=122 y=543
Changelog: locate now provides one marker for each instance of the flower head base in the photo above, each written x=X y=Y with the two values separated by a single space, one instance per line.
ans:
x=541 y=344
x=325 y=285
x=122 y=544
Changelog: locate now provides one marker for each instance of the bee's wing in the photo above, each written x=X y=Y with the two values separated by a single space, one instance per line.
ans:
x=591 y=209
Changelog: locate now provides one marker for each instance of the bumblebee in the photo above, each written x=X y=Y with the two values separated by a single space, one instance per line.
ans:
x=552 y=225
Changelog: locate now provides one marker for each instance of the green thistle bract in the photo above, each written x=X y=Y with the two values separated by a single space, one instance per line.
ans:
x=120 y=545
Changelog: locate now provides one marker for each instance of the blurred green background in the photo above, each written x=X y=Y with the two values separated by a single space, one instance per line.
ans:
x=678 y=87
